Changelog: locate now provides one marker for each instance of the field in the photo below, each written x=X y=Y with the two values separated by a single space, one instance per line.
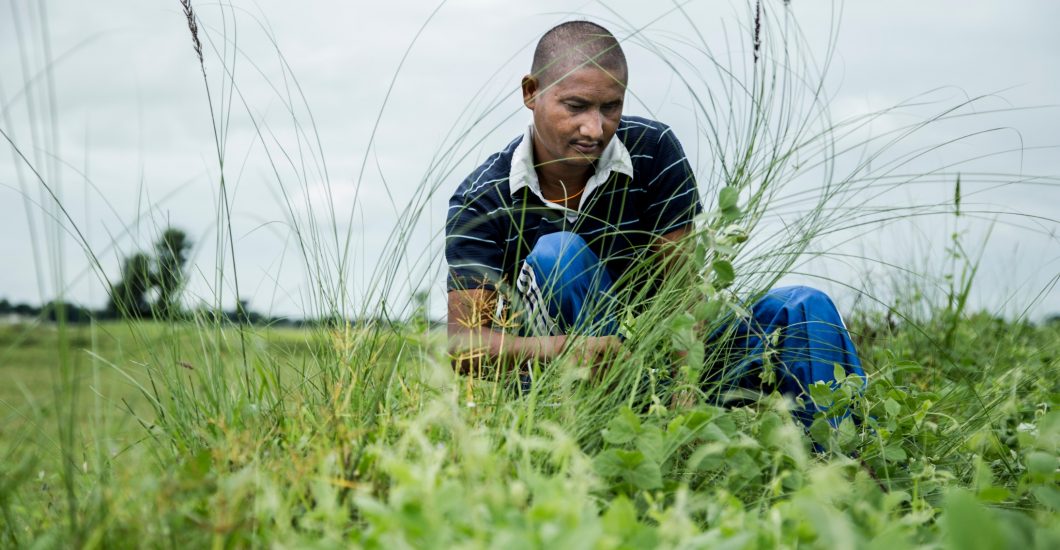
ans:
x=176 y=424
x=362 y=436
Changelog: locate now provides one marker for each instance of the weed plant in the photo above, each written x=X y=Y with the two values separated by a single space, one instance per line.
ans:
x=198 y=432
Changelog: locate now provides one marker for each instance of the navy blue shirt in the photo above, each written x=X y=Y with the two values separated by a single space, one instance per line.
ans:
x=490 y=229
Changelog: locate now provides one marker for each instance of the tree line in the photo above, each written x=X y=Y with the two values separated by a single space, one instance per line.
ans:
x=150 y=286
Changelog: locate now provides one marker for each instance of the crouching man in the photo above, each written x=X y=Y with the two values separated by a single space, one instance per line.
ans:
x=567 y=210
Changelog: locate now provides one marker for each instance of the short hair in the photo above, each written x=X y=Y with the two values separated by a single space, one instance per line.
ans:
x=575 y=43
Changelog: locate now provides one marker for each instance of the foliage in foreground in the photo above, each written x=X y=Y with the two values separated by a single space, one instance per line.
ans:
x=365 y=437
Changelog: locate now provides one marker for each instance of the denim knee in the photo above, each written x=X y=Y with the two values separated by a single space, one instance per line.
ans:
x=560 y=250
x=800 y=294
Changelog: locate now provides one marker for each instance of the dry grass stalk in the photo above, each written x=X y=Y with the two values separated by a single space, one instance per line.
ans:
x=189 y=14
x=758 y=29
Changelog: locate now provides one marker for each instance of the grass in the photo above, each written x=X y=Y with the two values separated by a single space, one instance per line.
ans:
x=117 y=371
x=339 y=463
x=200 y=433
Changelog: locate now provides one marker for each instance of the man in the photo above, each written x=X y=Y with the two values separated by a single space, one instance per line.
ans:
x=561 y=223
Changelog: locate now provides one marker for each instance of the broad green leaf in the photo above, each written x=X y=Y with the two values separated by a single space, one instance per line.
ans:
x=621 y=516
x=713 y=432
x=707 y=457
x=646 y=475
x=726 y=424
x=609 y=464
x=838 y=372
x=768 y=426
x=742 y=466
x=630 y=459
x=620 y=520
x=700 y=252
x=993 y=494
x=822 y=394
x=1048 y=496
x=707 y=310
x=1041 y=463
x=970 y=526
x=630 y=466
x=676 y=425
x=682 y=331
x=728 y=199
x=821 y=431
x=650 y=442
x=623 y=428
x=695 y=358
x=699 y=417
x=682 y=322
x=1049 y=430
x=894 y=453
x=892 y=407
x=724 y=272
x=848 y=435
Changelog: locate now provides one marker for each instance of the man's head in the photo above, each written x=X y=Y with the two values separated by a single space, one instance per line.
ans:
x=576 y=90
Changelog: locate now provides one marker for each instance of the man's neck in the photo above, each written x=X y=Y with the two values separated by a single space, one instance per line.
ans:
x=555 y=180
x=559 y=178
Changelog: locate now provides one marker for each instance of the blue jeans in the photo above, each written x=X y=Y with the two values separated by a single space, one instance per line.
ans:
x=568 y=290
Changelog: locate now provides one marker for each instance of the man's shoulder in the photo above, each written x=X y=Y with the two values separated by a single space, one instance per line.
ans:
x=492 y=171
x=639 y=132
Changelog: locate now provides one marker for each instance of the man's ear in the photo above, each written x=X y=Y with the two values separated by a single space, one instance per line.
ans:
x=530 y=90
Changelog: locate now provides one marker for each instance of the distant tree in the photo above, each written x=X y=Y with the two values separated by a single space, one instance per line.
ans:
x=171 y=258
x=164 y=273
x=25 y=310
x=56 y=310
x=242 y=313
x=5 y=306
x=128 y=297
x=246 y=316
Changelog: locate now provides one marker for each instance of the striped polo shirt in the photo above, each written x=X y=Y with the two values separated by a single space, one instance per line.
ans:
x=643 y=187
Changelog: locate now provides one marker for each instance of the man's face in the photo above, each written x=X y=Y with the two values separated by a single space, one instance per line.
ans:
x=576 y=117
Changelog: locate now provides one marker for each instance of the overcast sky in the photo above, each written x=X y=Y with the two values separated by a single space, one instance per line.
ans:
x=323 y=143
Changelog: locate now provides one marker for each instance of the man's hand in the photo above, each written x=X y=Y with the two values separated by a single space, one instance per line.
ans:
x=595 y=352
x=683 y=399
x=474 y=344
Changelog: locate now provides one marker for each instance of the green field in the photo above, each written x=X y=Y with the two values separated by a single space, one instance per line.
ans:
x=196 y=431
x=103 y=370
x=163 y=435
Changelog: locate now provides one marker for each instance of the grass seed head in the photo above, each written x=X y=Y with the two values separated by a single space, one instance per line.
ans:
x=189 y=14
x=758 y=29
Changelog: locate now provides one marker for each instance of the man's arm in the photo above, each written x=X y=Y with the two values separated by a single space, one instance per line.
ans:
x=673 y=254
x=474 y=344
x=669 y=249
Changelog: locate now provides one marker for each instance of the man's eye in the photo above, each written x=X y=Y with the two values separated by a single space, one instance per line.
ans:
x=575 y=106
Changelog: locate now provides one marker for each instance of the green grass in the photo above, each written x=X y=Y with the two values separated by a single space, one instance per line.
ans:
x=112 y=361
x=949 y=443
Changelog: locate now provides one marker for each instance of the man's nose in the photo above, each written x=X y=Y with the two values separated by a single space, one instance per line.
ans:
x=592 y=125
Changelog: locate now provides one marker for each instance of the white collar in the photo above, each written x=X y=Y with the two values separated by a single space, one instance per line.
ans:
x=615 y=158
